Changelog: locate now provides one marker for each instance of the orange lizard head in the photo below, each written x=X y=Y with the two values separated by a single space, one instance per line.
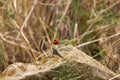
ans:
x=56 y=41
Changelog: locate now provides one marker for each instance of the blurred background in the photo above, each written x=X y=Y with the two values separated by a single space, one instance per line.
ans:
x=27 y=28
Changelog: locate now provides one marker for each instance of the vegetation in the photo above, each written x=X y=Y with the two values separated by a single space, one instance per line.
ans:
x=27 y=28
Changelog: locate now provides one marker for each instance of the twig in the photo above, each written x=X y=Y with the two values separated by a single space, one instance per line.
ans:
x=75 y=30
x=15 y=44
x=97 y=16
x=101 y=27
x=51 y=4
x=41 y=47
x=108 y=8
x=104 y=10
x=100 y=39
x=82 y=36
x=45 y=30
x=25 y=22
x=115 y=77
x=62 y=17
x=26 y=19
x=15 y=4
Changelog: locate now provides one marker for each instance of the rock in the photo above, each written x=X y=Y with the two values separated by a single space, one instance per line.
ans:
x=76 y=64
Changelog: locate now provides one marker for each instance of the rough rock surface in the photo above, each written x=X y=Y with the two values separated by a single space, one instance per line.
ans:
x=44 y=69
